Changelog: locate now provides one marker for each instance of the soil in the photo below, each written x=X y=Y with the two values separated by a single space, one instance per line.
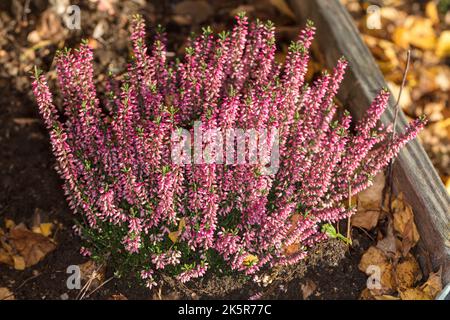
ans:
x=29 y=183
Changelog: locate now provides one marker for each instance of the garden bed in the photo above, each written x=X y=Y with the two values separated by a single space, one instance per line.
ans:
x=33 y=188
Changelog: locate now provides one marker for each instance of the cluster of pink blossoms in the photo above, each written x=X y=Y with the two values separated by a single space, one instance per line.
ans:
x=114 y=151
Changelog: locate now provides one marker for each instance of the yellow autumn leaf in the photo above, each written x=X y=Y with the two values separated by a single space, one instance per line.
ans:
x=182 y=224
x=19 y=262
x=250 y=260
x=431 y=12
x=9 y=224
x=46 y=228
x=400 y=37
x=420 y=32
x=173 y=236
x=443 y=45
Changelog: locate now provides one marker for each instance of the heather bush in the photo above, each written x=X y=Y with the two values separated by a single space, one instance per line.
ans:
x=147 y=213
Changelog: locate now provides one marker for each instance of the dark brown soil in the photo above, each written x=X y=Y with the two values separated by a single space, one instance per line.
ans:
x=28 y=182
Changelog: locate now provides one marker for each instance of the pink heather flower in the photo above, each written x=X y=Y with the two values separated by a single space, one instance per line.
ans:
x=197 y=272
x=114 y=153
x=85 y=252
x=148 y=276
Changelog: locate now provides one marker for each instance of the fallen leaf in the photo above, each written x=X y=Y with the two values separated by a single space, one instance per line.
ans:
x=414 y=294
x=372 y=257
x=443 y=45
x=366 y=294
x=400 y=37
x=6 y=258
x=308 y=288
x=19 y=262
x=118 y=297
x=407 y=272
x=404 y=225
x=368 y=204
x=173 y=236
x=46 y=229
x=386 y=297
x=433 y=285
x=31 y=246
x=250 y=260
x=6 y=294
x=370 y=198
x=9 y=224
x=92 y=272
x=420 y=32
x=389 y=243
x=366 y=219
x=292 y=249
x=431 y=12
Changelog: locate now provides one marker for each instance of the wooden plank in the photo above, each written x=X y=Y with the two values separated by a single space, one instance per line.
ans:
x=414 y=175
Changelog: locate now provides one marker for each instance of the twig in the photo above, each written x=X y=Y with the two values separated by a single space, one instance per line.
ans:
x=101 y=285
x=349 y=227
x=390 y=180
x=21 y=285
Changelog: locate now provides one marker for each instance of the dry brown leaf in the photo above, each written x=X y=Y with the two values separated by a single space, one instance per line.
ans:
x=366 y=219
x=387 y=280
x=407 y=272
x=389 y=243
x=370 y=199
x=404 y=225
x=433 y=285
x=414 y=294
x=368 y=204
x=49 y=27
x=292 y=249
x=31 y=246
x=308 y=289
x=366 y=294
x=386 y=297
x=92 y=272
x=373 y=256
x=6 y=258
x=6 y=294
x=118 y=297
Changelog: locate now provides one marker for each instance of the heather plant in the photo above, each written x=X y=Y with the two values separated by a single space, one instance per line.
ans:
x=147 y=213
